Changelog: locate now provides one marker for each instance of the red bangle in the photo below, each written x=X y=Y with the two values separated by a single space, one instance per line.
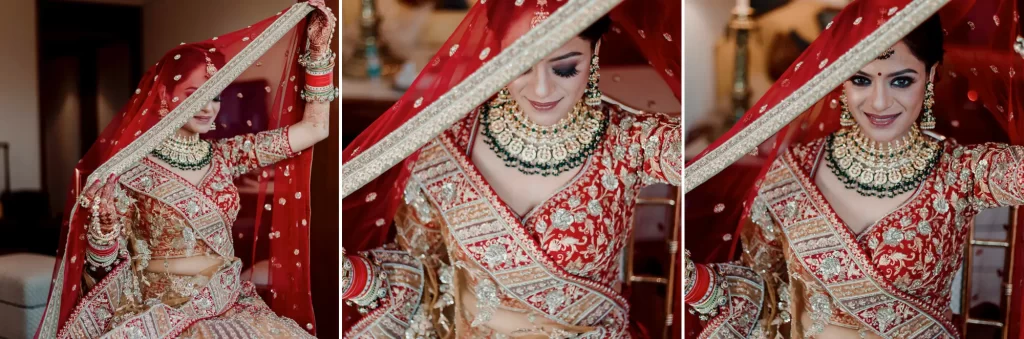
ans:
x=359 y=269
x=102 y=252
x=700 y=284
x=320 y=80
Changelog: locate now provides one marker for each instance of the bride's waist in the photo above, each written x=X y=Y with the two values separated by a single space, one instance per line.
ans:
x=186 y=266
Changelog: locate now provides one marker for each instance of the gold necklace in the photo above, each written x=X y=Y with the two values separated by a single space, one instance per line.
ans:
x=536 y=149
x=882 y=170
x=187 y=153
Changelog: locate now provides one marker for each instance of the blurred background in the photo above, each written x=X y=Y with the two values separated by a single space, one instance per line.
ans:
x=67 y=67
x=733 y=56
x=399 y=36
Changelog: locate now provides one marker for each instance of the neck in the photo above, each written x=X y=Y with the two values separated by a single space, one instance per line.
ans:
x=185 y=134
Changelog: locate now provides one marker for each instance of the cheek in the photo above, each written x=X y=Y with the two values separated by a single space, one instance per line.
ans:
x=576 y=84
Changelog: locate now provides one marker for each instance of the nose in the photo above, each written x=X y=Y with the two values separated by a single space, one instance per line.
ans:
x=211 y=107
x=541 y=84
x=880 y=98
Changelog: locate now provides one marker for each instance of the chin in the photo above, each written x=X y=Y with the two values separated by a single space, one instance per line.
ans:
x=886 y=134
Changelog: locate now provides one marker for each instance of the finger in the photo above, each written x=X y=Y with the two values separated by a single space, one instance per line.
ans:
x=108 y=189
x=91 y=190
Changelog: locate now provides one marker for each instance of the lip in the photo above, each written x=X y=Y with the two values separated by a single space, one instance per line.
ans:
x=544 y=106
x=204 y=120
x=882 y=120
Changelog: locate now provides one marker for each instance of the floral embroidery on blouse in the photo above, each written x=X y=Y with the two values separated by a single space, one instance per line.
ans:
x=179 y=219
x=917 y=248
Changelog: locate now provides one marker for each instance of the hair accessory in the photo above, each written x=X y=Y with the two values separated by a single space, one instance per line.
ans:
x=887 y=54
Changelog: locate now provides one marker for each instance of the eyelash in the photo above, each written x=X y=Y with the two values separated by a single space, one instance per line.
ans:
x=566 y=72
x=898 y=82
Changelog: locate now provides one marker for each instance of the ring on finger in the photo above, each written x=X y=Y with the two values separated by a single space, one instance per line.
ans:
x=84 y=201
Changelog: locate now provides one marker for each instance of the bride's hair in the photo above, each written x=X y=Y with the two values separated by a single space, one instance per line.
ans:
x=596 y=30
x=925 y=42
x=498 y=21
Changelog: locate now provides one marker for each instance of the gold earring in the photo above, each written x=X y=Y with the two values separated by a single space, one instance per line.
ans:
x=846 y=118
x=592 y=96
x=163 y=108
x=928 y=119
x=213 y=126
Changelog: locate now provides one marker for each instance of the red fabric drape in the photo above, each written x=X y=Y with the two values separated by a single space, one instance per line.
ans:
x=260 y=78
x=650 y=27
x=978 y=99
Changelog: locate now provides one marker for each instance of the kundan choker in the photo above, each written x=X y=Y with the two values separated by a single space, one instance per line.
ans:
x=536 y=149
x=881 y=170
x=185 y=153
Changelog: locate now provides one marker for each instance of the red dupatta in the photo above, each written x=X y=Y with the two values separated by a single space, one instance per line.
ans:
x=978 y=99
x=471 y=67
x=257 y=71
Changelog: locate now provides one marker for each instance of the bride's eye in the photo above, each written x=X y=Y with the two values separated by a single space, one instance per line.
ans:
x=902 y=82
x=566 y=71
x=860 y=81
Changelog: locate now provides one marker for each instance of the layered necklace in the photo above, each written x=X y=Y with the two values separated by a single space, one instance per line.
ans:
x=536 y=149
x=882 y=170
x=187 y=153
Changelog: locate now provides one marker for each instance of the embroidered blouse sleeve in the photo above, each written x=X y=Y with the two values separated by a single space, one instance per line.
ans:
x=655 y=141
x=730 y=295
x=248 y=152
x=996 y=173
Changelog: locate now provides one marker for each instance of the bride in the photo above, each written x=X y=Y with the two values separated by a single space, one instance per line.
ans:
x=150 y=241
x=857 y=222
x=511 y=221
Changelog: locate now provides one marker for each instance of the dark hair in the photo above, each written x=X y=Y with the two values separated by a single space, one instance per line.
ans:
x=596 y=30
x=498 y=21
x=925 y=42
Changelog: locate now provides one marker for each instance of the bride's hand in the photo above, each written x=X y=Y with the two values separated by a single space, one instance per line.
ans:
x=101 y=196
x=320 y=29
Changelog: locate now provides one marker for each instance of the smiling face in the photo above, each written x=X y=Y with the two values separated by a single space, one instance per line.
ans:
x=886 y=97
x=548 y=91
x=202 y=121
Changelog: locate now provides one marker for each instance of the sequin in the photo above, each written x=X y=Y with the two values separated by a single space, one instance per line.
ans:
x=610 y=181
x=554 y=300
x=451 y=51
x=830 y=267
x=892 y=236
x=594 y=208
x=561 y=219
x=485 y=53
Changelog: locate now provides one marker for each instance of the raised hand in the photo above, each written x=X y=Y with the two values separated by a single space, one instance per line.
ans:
x=101 y=196
x=320 y=29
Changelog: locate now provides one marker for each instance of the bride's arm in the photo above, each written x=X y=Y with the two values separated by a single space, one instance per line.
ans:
x=733 y=297
x=314 y=127
x=383 y=281
x=653 y=142
x=995 y=173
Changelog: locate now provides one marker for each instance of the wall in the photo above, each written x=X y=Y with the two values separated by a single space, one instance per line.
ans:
x=163 y=20
x=61 y=122
x=704 y=24
x=19 y=92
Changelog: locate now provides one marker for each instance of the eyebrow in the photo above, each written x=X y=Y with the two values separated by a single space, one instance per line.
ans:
x=565 y=56
x=894 y=74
